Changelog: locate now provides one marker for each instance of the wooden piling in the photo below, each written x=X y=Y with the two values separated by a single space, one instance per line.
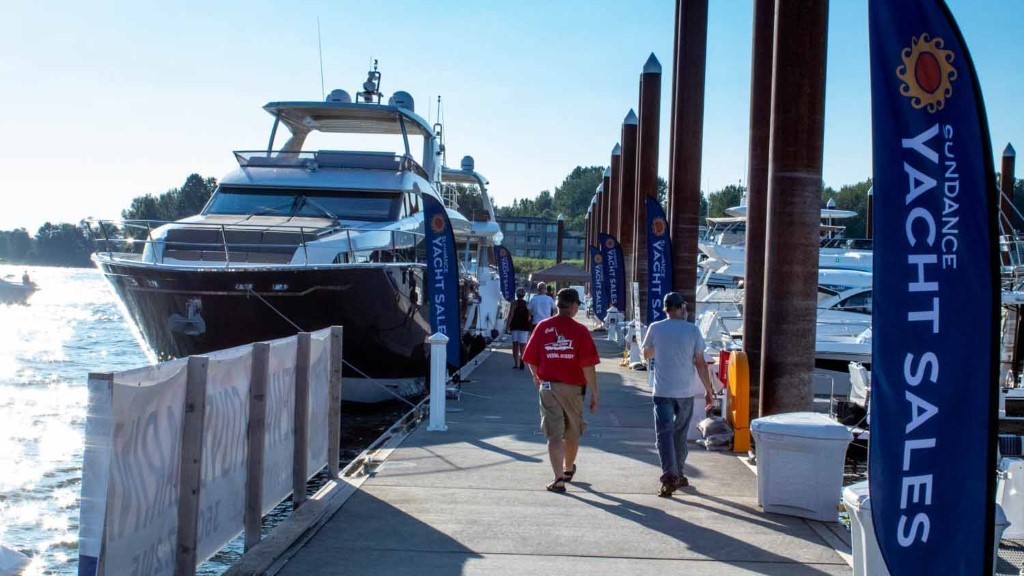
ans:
x=794 y=197
x=627 y=204
x=761 y=63
x=646 y=172
x=687 y=134
x=613 y=190
x=1006 y=181
x=300 y=461
x=334 y=414
x=191 y=465
x=256 y=433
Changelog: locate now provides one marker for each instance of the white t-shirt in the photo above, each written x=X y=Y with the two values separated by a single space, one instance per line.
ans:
x=675 y=343
x=541 y=307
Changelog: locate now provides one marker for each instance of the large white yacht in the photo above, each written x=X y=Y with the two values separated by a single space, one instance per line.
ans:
x=300 y=239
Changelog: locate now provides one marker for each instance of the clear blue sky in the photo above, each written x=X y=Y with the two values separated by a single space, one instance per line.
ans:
x=104 y=101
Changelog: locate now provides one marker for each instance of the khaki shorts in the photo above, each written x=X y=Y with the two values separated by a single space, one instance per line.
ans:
x=561 y=411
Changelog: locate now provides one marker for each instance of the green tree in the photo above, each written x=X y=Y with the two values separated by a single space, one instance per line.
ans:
x=18 y=245
x=572 y=197
x=727 y=197
x=174 y=204
x=61 y=244
x=852 y=197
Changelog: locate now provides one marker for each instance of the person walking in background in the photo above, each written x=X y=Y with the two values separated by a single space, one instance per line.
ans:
x=675 y=348
x=518 y=326
x=562 y=356
x=542 y=306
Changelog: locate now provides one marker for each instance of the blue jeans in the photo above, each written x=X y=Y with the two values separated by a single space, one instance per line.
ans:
x=671 y=421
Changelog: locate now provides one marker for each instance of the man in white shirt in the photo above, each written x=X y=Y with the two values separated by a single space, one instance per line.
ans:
x=675 y=347
x=541 y=305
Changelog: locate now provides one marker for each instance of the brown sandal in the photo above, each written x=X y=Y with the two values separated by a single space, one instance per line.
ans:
x=568 y=474
x=557 y=486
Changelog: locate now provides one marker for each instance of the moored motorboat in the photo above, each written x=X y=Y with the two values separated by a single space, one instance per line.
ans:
x=297 y=240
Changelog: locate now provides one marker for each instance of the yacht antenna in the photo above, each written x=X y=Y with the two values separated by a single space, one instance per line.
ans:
x=439 y=132
x=320 y=48
x=371 y=88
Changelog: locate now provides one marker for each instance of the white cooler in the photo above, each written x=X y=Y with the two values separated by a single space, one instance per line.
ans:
x=867 y=558
x=1010 y=495
x=800 y=459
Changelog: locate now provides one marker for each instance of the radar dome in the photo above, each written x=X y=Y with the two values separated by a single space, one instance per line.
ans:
x=339 y=96
x=402 y=100
x=468 y=164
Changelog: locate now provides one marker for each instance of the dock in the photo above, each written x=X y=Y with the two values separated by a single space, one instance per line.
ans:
x=471 y=500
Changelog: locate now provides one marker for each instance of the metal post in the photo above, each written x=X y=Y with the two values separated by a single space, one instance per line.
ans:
x=438 y=381
x=685 y=144
x=626 y=202
x=646 y=171
x=757 y=191
x=794 y=197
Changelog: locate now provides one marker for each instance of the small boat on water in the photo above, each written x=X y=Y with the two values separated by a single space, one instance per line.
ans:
x=12 y=292
x=298 y=240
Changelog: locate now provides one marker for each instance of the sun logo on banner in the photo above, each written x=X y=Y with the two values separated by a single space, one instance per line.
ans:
x=609 y=243
x=437 y=223
x=598 y=259
x=927 y=73
x=659 y=226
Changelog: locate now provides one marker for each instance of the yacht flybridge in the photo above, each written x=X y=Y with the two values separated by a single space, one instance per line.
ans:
x=300 y=239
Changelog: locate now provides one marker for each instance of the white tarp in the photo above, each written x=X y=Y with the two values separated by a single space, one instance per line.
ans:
x=143 y=477
x=319 y=399
x=225 y=425
x=279 y=440
x=131 y=470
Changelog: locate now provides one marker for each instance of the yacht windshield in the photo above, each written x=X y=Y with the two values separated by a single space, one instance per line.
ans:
x=334 y=204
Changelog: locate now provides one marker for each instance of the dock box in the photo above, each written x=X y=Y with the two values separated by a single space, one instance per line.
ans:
x=800 y=464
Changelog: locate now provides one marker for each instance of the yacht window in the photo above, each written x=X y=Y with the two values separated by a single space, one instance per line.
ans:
x=857 y=303
x=340 y=204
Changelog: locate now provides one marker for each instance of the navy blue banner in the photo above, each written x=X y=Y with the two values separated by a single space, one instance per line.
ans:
x=506 y=272
x=615 y=270
x=659 y=261
x=442 y=281
x=935 y=296
x=598 y=282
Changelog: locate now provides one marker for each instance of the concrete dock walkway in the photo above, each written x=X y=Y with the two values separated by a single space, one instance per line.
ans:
x=471 y=500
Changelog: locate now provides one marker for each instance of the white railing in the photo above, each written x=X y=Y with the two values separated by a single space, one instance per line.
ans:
x=183 y=456
x=248 y=245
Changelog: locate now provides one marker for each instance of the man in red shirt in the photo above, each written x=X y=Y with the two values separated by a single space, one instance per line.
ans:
x=561 y=355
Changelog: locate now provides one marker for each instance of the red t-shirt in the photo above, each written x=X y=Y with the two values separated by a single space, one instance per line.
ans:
x=561 y=348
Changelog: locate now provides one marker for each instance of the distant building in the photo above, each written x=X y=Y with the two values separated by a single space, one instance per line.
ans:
x=538 y=238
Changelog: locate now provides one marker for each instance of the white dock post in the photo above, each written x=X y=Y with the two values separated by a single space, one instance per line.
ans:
x=438 y=381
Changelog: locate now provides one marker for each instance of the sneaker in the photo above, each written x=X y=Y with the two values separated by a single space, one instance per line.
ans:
x=667 y=488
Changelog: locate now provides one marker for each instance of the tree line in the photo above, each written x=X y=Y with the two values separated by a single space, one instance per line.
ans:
x=67 y=244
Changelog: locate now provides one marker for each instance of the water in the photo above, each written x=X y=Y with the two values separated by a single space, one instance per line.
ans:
x=71 y=327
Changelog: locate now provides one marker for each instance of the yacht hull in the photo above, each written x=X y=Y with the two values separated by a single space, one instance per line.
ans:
x=181 y=312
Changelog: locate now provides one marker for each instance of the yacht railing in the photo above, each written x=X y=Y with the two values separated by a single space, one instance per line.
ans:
x=250 y=245
x=312 y=161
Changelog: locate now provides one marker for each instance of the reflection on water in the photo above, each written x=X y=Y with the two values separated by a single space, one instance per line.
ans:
x=71 y=327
